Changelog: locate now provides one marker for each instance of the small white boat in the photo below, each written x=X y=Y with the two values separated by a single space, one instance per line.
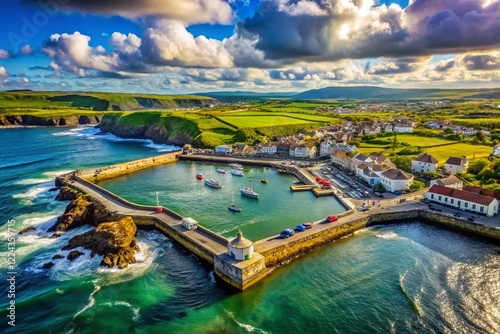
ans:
x=236 y=172
x=248 y=192
x=199 y=176
x=212 y=183
x=233 y=207
x=222 y=171
x=236 y=166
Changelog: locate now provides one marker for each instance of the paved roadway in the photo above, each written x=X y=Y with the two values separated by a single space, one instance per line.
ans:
x=214 y=245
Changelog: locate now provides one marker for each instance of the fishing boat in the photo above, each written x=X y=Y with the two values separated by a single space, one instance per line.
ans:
x=199 y=176
x=236 y=172
x=212 y=183
x=248 y=192
x=263 y=180
x=222 y=171
x=233 y=207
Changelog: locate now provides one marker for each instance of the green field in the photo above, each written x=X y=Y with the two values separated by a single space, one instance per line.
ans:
x=263 y=121
x=421 y=141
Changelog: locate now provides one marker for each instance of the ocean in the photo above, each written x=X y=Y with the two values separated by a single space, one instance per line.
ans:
x=404 y=278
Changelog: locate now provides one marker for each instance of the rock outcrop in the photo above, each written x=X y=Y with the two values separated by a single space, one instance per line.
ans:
x=79 y=212
x=29 y=120
x=27 y=229
x=113 y=240
x=73 y=255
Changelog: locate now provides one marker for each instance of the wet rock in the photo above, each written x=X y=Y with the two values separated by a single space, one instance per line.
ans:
x=73 y=255
x=48 y=265
x=77 y=213
x=27 y=229
x=58 y=256
x=115 y=241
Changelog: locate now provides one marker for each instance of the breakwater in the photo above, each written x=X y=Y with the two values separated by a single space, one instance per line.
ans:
x=271 y=252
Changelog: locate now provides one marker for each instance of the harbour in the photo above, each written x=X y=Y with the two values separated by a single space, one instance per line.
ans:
x=270 y=252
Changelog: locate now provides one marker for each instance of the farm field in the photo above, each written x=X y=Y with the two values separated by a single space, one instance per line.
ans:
x=422 y=141
x=262 y=121
x=441 y=153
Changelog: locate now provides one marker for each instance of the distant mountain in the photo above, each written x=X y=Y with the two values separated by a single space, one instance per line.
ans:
x=373 y=92
x=232 y=96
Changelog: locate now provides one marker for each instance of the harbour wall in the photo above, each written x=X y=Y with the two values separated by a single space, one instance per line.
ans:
x=108 y=172
x=298 y=245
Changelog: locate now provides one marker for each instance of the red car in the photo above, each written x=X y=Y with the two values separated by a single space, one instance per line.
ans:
x=331 y=219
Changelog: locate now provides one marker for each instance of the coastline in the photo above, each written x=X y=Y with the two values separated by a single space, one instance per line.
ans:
x=271 y=252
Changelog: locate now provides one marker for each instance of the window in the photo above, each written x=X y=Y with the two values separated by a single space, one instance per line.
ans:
x=481 y=208
x=432 y=196
x=473 y=206
x=446 y=199
x=439 y=198
x=452 y=200
x=459 y=202
x=466 y=204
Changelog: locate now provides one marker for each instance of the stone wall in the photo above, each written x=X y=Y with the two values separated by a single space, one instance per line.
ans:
x=109 y=172
x=240 y=274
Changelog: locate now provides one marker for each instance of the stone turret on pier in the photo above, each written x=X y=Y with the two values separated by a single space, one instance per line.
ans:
x=240 y=248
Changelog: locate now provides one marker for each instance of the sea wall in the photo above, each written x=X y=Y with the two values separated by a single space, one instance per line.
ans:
x=109 y=172
x=240 y=274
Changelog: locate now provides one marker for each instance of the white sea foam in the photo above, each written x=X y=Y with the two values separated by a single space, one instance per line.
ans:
x=91 y=301
x=134 y=309
x=64 y=269
x=33 y=181
x=247 y=327
x=389 y=236
x=95 y=133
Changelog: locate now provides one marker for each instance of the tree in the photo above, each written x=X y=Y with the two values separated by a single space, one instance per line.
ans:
x=402 y=162
x=476 y=166
x=417 y=185
x=481 y=137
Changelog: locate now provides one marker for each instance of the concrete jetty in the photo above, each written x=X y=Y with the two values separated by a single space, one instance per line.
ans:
x=270 y=252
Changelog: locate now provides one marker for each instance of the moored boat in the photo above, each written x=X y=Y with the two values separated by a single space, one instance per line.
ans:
x=248 y=192
x=236 y=172
x=236 y=166
x=263 y=180
x=233 y=207
x=199 y=176
x=222 y=171
x=212 y=183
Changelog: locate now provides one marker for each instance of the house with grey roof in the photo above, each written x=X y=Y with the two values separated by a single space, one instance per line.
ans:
x=424 y=163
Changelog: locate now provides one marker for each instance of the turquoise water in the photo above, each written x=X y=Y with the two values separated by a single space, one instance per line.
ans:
x=408 y=278
x=178 y=189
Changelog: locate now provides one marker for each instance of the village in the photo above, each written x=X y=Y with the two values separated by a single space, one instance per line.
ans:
x=375 y=170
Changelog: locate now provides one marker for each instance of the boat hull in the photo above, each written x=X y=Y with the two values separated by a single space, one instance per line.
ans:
x=234 y=208
x=249 y=194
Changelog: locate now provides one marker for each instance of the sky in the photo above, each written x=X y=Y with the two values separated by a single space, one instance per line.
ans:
x=189 y=46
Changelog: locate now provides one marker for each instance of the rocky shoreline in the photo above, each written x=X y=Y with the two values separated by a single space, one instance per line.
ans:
x=33 y=121
x=113 y=238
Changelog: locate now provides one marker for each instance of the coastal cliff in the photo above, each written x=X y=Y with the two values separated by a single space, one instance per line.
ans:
x=29 y=120
x=160 y=129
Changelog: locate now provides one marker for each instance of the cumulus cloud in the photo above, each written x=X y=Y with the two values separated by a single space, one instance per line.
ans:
x=329 y=30
x=399 y=65
x=166 y=43
x=4 y=54
x=3 y=73
x=26 y=50
x=188 y=11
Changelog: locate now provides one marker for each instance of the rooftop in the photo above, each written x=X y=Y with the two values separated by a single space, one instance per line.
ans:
x=426 y=158
x=240 y=241
x=461 y=195
x=456 y=161
x=396 y=174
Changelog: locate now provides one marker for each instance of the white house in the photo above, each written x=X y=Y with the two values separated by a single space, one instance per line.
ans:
x=306 y=150
x=343 y=147
x=424 y=163
x=223 y=149
x=496 y=149
x=396 y=180
x=189 y=223
x=466 y=131
x=463 y=200
x=451 y=182
x=370 y=172
x=454 y=165
x=325 y=148
x=403 y=128
x=340 y=158
x=268 y=148
x=240 y=248
x=388 y=128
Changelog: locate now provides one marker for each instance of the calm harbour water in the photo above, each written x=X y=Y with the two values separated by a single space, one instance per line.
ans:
x=407 y=278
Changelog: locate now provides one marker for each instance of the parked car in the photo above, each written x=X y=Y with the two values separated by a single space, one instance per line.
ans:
x=300 y=228
x=425 y=200
x=308 y=225
x=397 y=192
x=378 y=194
x=457 y=214
x=287 y=233
x=471 y=219
x=331 y=219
